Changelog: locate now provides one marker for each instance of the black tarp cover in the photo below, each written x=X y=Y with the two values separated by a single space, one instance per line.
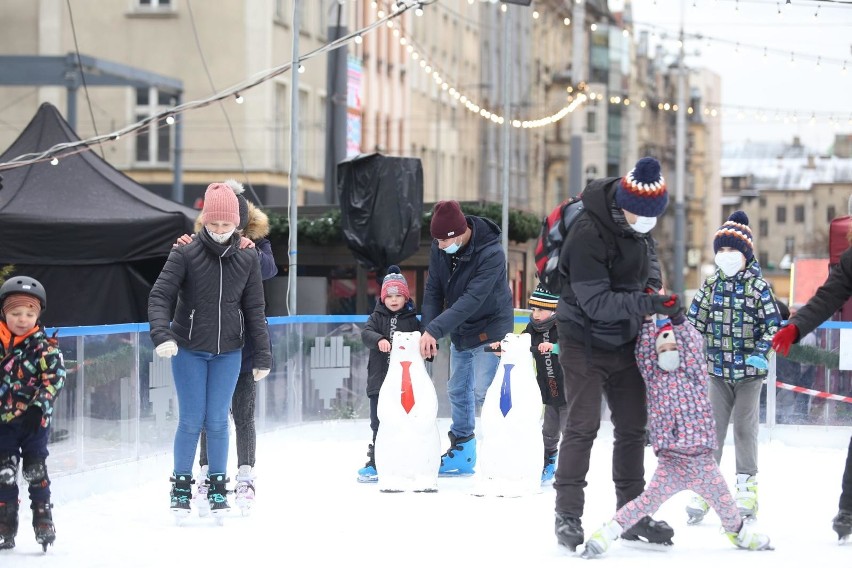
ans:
x=381 y=201
x=95 y=238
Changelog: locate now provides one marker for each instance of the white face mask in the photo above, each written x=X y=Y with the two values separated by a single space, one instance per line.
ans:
x=643 y=224
x=730 y=262
x=453 y=248
x=668 y=360
x=220 y=238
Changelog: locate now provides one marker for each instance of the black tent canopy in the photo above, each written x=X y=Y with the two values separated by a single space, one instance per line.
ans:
x=95 y=238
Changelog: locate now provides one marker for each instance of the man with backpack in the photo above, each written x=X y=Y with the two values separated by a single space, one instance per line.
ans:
x=609 y=277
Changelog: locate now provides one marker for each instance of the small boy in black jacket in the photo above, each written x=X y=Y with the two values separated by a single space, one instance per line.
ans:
x=395 y=312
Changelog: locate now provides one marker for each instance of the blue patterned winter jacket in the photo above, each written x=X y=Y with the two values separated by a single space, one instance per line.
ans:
x=737 y=316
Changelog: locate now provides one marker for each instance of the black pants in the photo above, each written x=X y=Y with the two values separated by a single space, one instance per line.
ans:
x=374 y=414
x=846 y=491
x=589 y=374
x=242 y=409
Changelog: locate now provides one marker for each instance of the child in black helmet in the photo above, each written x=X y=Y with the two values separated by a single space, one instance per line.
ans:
x=32 y=373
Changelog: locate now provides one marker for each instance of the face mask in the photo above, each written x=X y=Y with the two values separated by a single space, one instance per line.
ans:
x=453 y=248
x=220 y=238
x=643 y=224
x=668 y=360
x=730 y=262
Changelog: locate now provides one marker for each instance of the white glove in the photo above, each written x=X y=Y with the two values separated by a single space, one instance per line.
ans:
x=259 y=373
x=167 y=349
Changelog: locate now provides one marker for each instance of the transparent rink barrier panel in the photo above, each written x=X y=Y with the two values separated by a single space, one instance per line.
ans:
x=119 y=403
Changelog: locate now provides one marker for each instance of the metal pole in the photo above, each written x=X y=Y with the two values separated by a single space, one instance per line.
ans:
x=680 y=169
x=578 y=75
x=294 y=163
x=177 y=166
x=335 y=132
x=507 y=109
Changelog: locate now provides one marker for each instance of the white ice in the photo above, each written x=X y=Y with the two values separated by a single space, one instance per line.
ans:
x=311 y=512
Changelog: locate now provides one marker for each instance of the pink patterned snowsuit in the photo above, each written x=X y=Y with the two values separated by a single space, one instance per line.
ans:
x=682 y=430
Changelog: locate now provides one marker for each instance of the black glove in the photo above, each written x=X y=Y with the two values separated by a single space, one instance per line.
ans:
x=678 y=318
x=31 y=419
x=666 y=305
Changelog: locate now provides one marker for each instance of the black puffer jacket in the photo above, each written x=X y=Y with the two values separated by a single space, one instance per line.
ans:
x=381 y=325
x=219 y=299
x=606 y=300
x=829 y=298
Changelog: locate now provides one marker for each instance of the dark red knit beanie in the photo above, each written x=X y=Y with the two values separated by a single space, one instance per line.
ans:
x=447 y=220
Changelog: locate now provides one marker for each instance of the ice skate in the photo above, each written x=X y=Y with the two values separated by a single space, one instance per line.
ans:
x=8 y=524
x=181 y=496
x=569 y=531
x=460 y=459
x=601 y=540
x=244 y=490
x=368 y=474
x=549 y=471
x=200 y=501
x=217 y=496
x=649 y=533
x=696 y=509
x=45 y=531
x=747 y=496
x=842 y=525
x=749 y=539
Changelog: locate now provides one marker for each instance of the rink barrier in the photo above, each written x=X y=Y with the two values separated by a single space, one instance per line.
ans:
x=811 y=392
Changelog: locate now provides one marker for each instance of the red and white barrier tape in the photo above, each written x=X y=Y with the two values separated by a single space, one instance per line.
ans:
x=811 y=392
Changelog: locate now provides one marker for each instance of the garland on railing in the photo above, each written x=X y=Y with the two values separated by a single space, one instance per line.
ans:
x=326 y=229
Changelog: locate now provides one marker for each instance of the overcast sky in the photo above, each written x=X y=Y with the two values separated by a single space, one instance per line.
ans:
x=771 y=82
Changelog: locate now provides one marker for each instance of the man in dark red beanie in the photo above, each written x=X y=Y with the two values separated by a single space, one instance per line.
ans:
x=467 y=274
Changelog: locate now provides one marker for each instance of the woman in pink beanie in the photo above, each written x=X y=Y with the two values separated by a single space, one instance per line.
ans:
x=206 y=301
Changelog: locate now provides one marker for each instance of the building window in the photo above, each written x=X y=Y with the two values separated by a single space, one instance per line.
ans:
x=154 y=3
x=763 y=258
x=799 y=214
x=591 y=174
x=830 y=213
x=763 y=228
x=153 y=142
x=789 y=245
x=591 y=122
x=781 y=214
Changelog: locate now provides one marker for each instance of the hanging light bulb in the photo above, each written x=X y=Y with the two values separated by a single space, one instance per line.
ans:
x=170 y=119
x=358 y=39
x=301 y=68
x=238 y=98
x=54 y=161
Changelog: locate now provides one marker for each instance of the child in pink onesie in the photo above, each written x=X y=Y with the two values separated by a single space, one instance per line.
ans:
x=682 y=432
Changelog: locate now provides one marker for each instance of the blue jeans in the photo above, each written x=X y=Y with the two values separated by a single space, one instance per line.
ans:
x=204 y=383
x=471 y=373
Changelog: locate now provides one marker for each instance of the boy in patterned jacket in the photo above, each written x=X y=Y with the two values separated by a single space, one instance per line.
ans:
x=681 y=428
x=735 y=310
x=31 y=375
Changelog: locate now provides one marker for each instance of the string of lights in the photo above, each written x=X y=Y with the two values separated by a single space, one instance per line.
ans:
x=57 y=151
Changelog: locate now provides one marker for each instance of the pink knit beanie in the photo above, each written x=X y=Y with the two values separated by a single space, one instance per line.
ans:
x=220 y=204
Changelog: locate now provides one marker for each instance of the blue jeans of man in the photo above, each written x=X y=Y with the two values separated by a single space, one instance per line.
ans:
x=471 y=373
x=204 y=383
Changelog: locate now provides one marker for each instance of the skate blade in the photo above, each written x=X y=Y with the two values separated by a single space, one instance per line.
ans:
x=694 y=520
x=590 y=551
x=180 y=515
x=645 y=545
x=368 y=479
x=455 y=473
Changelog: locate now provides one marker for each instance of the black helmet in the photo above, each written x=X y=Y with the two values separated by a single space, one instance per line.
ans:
x=23 y=285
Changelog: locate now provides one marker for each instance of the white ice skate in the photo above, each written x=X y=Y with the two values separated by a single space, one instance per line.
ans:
x=244 y=490
x=199 y=501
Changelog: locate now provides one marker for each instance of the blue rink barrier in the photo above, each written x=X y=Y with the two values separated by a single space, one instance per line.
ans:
x=119 y=404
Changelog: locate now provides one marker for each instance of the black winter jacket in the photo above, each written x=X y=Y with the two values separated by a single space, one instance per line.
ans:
x=829 y=298
x=606 y=301
x=381 y=325
x=219 y=299
x=548 y=370
x=473 y=304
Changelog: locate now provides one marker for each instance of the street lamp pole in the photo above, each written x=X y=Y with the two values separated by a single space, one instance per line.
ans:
x=680 y=169
x=507 y=109
x=578 y=75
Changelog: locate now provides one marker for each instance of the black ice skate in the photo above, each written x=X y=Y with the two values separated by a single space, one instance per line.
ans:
x=181 y=496
x=217 y=496
x=8 y=524
x=45 y=532
x=842 y=525
x=569 y=531
x=648 y=532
